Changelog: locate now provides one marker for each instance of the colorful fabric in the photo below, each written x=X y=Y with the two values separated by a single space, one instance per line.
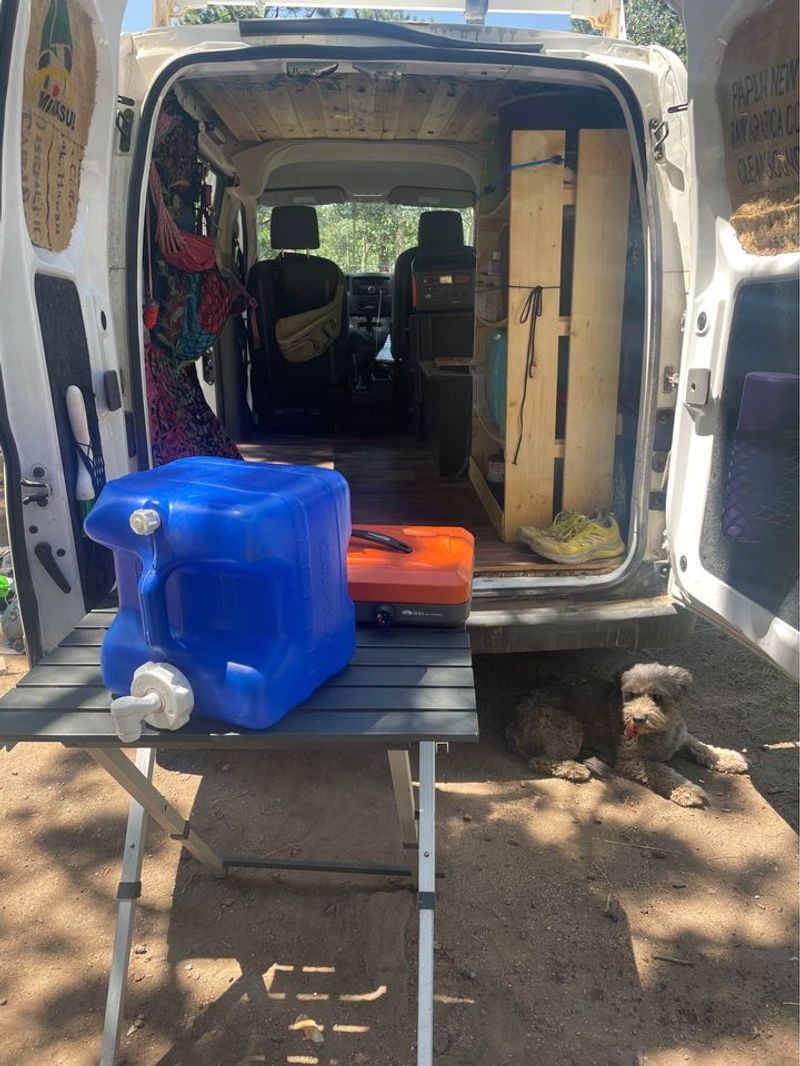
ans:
x=181 y=422
x=188 y=298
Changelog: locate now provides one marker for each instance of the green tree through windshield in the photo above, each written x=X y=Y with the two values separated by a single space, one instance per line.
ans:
x=362 y=237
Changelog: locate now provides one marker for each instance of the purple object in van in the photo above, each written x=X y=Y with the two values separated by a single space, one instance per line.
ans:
x=761 y=495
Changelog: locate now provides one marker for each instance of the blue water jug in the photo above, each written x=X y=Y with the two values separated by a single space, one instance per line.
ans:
x=236 y=574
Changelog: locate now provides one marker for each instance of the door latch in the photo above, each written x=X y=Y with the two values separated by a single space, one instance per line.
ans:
x=698 y=387
x=36 y=490
x=659 y=131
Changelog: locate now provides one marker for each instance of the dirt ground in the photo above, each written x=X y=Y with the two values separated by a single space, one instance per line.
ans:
x=557 y=902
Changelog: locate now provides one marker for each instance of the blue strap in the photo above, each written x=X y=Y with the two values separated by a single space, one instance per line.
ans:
x=555 y=159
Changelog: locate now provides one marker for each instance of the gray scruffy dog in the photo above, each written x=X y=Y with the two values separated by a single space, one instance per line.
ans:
x=634 y=725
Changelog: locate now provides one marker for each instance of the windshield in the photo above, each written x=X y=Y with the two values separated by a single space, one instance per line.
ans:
x=363 y=238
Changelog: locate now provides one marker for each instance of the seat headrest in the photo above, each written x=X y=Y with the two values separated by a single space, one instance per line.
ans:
x=440 y=231
x=293 y=226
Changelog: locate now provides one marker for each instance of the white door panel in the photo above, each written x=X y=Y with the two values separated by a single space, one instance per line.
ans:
x=75 y=255
x=731 y=522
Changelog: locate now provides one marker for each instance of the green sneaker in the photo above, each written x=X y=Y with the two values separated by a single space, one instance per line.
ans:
x=575 y=538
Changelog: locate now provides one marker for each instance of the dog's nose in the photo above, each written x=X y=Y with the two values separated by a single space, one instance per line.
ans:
x=640 y=719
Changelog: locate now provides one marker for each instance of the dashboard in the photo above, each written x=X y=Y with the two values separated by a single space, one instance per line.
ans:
x=369 y=295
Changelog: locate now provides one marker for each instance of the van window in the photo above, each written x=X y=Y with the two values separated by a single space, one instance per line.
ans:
x=363 y=238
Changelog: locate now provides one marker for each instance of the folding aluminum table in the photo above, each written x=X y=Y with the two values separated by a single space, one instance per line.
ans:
x=403 y=688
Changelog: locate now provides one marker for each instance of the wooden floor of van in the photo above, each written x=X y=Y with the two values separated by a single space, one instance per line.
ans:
x=394 y=480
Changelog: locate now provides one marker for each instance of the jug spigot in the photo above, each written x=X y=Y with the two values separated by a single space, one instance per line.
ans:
x=144 y=521
x=160 y=695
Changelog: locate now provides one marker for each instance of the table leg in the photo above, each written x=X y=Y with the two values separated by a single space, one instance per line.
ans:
x=426 y=899
x=157 y=806
x=127 y=893
x=400 y=769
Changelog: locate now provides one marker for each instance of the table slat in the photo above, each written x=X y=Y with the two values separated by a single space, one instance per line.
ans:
x=306 y=728
x=327 y=698
x=83 y=638
x=366 y=636
x=60 y=676
x=82 y=653
x=97 y=620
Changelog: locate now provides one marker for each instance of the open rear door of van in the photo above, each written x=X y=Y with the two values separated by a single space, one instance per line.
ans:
x=58 y=116
x=732 y=507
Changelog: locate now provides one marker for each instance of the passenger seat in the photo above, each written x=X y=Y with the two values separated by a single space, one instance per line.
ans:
x=293 y=283
x=440 y=234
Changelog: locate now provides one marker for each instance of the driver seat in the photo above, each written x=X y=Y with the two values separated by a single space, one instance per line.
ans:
x=293 y=283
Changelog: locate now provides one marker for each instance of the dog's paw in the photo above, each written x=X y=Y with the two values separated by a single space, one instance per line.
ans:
x=688 y=795
x=575 y=772
x=729 y=762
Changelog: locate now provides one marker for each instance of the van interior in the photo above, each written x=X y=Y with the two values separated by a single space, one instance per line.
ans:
x=434 y=283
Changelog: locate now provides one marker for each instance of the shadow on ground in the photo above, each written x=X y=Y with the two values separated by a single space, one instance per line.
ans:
x=591 y=924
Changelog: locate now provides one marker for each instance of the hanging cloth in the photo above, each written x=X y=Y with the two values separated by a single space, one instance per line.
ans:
x=187 y=251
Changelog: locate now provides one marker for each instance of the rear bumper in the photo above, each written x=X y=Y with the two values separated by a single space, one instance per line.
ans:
x=638 y=623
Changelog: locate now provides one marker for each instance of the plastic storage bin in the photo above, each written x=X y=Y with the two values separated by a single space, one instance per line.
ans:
x=233 y=572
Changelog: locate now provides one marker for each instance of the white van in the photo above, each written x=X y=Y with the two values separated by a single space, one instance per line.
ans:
x=609 y=256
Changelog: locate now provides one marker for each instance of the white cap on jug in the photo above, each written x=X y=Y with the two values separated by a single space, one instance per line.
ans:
x=144 y=521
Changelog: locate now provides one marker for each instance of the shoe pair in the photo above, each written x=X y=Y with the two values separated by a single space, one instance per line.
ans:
x=575 y=538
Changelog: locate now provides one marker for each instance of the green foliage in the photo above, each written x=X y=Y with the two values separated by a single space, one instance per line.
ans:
x=654 y=22
x=203 y=16
x=361 y=237
x=647 y=22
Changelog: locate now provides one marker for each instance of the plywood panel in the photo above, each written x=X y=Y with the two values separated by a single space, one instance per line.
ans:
x=486 y=496
x=351 y=106
x=240 y=116
x=601 y=241
x=446 y=100
x=361 y=97
x=480 y=103
x=310 y=112
x=335 y=107
x=534 y=259
x=280 y=100
x=417 y=96
x=387 y=108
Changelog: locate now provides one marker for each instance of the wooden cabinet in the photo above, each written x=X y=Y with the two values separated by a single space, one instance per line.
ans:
x=580 y=350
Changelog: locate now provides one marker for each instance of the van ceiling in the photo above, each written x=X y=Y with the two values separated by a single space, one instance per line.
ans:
x=254 y=108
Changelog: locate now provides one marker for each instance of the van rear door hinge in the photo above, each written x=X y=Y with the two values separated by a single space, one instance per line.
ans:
x=659 y=131
x=124 y=125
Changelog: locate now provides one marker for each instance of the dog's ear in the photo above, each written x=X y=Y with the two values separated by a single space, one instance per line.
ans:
x=682 y=678
x=620 y=675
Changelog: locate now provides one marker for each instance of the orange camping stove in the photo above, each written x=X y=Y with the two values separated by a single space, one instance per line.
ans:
x=411 y=575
